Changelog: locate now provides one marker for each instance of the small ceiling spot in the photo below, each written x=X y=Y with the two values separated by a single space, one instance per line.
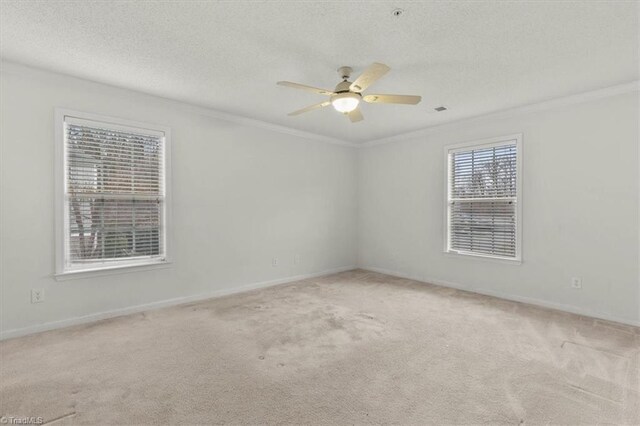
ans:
x=440 y=108
x=397 y=12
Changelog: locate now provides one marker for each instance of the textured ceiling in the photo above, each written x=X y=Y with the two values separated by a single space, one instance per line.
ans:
x=473 y=57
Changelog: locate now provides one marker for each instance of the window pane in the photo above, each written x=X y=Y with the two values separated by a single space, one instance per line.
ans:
x=482 y=173
x=114 y=162
x=113 y=228
x=487 y=227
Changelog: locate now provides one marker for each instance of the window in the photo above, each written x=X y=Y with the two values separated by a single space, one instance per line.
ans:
x=483 y=198
x=112 y=190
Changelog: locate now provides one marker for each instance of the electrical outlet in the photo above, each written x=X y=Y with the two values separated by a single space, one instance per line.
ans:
x=37 y=295
x=576 y=282
x=296 y=259
x=274 y=261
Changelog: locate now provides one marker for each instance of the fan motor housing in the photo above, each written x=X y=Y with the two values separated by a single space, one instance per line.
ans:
x=343 y=86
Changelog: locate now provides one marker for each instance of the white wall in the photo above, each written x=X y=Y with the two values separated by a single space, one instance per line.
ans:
x=580 y=208
x=241 y=195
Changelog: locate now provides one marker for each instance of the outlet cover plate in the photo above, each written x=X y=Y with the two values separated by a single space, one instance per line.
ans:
x=37 y=295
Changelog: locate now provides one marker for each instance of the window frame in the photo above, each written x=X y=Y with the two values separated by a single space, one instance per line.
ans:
x=478 y=144
x=61 y=204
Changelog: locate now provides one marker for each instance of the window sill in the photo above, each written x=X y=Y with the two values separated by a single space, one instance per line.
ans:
x=496 y=259
x=111 y=270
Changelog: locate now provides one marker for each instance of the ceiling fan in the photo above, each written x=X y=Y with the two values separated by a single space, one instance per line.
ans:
x=347 y=95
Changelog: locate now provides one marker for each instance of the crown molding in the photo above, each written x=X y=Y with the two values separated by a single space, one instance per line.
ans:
x=606 y=92
x=251 y=122
x=15 y=67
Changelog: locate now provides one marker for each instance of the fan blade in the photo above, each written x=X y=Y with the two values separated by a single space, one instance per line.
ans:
x=369 y=76
x=355 y=115
x=392 y=99
x=311 y=108
x=304 y=87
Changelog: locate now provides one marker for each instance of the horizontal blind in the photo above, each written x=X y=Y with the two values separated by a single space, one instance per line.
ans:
x=482 y=200
x=114 y=193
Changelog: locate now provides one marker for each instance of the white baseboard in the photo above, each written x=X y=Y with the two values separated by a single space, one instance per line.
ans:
x=522 y=299
x=17 y=332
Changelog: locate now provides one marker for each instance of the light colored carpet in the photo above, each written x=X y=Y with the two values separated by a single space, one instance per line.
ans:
x=352 y=348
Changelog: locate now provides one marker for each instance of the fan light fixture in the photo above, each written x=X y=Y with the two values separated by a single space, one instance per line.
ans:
x=345 y=102
x=347 y=95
